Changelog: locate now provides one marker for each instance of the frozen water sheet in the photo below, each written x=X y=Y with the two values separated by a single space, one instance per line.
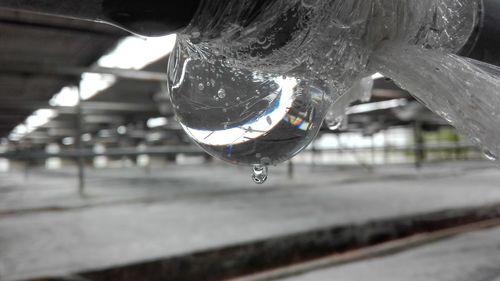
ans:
x=458 y=89
x=323 y=49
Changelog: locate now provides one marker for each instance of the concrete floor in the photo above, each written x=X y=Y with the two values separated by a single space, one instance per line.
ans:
x=130 y=216
x=470 y=257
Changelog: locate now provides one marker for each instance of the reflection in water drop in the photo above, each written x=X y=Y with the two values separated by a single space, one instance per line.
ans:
x=259 y=174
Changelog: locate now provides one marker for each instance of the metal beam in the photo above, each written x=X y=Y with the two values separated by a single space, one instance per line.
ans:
x=108 y=32
x=76 y=71
x=112 y=152
x=79 y=144
x=87 y=106
x=100 y=119
x=117 y=106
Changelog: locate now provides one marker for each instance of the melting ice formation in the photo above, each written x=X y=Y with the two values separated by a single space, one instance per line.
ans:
x=253 y=85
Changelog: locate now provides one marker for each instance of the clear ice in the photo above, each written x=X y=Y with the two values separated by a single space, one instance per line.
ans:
x=253 y=85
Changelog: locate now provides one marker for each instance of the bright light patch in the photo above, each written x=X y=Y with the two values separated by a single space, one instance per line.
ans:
x=135 y=52
x=4 y=165
x=86 y=137
x=367 y=107
x=32 y=123
x=94 y=83
x=130 y=53
x=157 y=122
x=377 y=76
x=68 y=96
x=122 y=130
x=39 y=118
x=68 y=141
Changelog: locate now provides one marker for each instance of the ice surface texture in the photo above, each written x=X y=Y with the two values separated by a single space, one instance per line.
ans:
x=284 y=63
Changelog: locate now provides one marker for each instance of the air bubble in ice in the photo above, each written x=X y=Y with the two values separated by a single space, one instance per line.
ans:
x=222 y=93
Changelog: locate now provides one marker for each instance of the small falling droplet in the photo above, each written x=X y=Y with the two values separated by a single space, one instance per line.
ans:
x=490 y=155
x=259 y=175
x=201 y=87
x=238 y=98
x=269 y=120
x=221 y=93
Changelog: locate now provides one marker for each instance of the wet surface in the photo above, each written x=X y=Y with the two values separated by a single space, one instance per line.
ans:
x=470 y=257
x=129 y=215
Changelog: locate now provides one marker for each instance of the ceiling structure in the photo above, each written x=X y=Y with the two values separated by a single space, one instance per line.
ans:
x=40 y=55
x=31 y=43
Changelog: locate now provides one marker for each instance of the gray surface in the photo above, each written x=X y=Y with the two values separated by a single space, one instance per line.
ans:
x=130 y=216
x=471 y=257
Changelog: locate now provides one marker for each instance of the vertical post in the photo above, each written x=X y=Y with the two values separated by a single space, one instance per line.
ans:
x=386 y=147
x=79 y=144
x=314 y=151
x=290 y=169
x=27 y=165
x=419 y=144
x=458 y=151
x=147 y=168
x=372 y=150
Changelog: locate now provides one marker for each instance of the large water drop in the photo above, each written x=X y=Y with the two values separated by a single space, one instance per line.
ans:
x=251 y=117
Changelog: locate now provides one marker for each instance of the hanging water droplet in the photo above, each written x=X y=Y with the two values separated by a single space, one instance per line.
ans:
x=221 y=93
x=201 y=86
x=490 y=155
x=259 y=175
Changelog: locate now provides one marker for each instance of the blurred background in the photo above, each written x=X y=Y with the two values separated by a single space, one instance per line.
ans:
x=99 y=182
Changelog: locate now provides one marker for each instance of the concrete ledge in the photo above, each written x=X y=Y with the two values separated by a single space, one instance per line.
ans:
x=237 y=260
